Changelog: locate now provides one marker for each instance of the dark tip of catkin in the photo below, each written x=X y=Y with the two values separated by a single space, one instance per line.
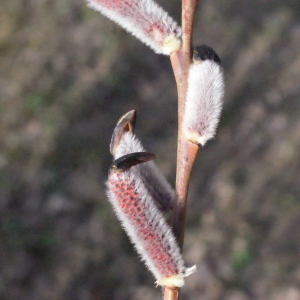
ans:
x=203 y=52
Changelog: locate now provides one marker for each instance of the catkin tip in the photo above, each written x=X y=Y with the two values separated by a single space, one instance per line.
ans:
x=125 y=124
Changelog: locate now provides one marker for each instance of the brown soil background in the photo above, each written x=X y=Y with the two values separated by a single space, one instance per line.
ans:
x=67 y=74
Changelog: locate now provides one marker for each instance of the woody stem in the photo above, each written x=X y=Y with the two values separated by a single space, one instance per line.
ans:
x=186 y=151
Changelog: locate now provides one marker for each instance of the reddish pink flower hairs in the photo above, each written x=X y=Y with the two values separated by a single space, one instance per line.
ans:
x=137 y=191
x=139 y=194
x=125 y=142
x=144 y=19
x=143 y=221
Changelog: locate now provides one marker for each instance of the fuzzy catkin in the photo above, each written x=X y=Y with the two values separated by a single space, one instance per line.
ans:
x=144 y=19
x=204 y=98
x=147 y=228
x=157 y=185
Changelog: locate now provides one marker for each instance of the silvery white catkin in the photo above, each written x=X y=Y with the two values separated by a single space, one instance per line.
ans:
x=146 y=226
x=144 y=19
x=204 y=96
x=156 y=184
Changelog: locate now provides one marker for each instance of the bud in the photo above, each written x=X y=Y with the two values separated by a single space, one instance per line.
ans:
x=204 y=96
x=144 y=19
x=144 y=223
x=125 y=142
x=125 y=124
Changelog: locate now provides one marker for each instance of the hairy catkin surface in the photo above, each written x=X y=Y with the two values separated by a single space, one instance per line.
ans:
x=144 y=19
x=157 y=185
x=204 y=101
x=147 y=228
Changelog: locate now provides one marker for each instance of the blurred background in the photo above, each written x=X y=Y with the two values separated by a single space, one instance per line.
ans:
x=66 y=76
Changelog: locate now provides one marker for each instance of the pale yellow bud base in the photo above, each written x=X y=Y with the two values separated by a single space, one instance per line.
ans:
x=176 y=279
x=171 y=44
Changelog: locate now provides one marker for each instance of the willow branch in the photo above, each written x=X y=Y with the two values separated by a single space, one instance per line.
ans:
x=186 y=151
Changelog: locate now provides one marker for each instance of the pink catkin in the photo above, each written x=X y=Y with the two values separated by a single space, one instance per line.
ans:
x=147 y=229
x=133 y=208
x=132 y=9
x=145 y=20
x=157 y=185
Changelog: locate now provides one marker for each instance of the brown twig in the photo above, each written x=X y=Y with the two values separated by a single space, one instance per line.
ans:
x=186 y=151
x=170 y=293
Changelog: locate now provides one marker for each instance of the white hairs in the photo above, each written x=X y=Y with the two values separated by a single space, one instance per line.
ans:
x=157 y=185
x=146 y=227
x=204 y=100
x=144 y=19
